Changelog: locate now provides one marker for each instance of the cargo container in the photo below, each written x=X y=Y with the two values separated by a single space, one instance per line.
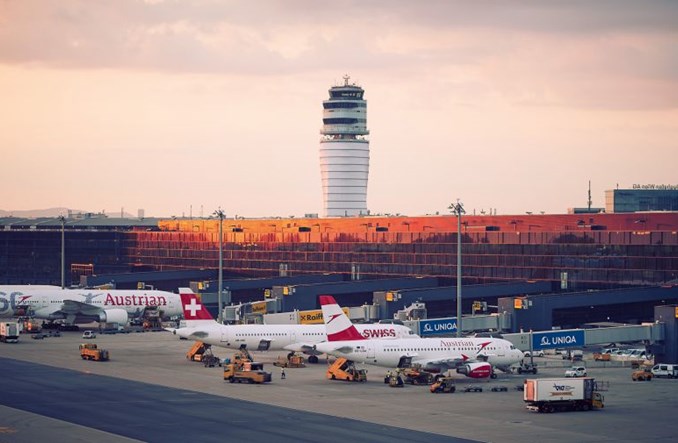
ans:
x=561 y=394
x=9 y=332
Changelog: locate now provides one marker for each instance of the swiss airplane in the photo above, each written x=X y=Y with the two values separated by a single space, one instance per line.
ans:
x=85 y=305
x=297 y=338
x=473 y=357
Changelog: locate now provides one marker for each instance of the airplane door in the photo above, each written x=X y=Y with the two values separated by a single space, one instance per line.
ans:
x=172 y=307
x=225 y=337
x=501 y=351
x=293 y=337
x=370 y=350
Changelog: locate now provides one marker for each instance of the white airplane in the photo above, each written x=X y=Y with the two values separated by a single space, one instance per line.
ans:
x=296 y=338
x=85 y=305
x=473 y=357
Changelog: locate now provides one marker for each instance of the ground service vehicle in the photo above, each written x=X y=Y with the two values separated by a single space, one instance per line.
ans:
x=291 y=361
x=90 y=351
x=443 y=385
x=417 y=376
x=539 y=353
x=210 y=360
x=9 y=332
x=343 y=369
x=561 y=394
x=526 y=368
x=395 y=380
x=597 y=356
x=89 y=334
x=197 y=350
x=246 y=371
x=642 y=375
x=665 y=370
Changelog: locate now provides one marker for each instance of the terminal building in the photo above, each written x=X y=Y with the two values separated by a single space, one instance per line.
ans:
x=528 y=272
x=642 y=198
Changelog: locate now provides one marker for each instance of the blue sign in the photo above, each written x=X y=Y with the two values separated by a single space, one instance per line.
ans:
x=437 y=327
x=573 y=338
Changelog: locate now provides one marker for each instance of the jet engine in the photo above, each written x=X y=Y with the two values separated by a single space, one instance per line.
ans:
x=113 y=316
x=476 y=370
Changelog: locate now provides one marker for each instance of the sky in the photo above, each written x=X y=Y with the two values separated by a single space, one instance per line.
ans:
x=183 y=107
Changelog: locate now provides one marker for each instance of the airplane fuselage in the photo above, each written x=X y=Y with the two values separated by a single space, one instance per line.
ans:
x=426 y=351
x=279 y=337
x=50 y=303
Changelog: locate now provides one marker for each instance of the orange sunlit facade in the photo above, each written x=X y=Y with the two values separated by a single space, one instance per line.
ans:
x=595 y=250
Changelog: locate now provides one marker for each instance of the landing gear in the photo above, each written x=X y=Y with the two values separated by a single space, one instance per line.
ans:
x=313 y=359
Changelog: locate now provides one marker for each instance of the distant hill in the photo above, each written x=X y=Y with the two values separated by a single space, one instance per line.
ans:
x=54 y=212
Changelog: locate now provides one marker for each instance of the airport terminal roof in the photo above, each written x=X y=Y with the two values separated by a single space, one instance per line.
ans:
x=9 y=223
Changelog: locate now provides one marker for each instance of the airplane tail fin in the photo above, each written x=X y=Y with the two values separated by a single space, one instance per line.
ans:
x=194 y=310
x=337 y=323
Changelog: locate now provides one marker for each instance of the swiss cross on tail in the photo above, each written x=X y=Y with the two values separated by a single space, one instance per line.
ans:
x=193 y=308
x=337 y=324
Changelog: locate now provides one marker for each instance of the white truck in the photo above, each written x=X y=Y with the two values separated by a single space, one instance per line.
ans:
x=561 y=394
x=665 y=370
x=9 y=332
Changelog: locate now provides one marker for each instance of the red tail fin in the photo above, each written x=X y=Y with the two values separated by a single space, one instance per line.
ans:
x=193 y=308
x=337 y=323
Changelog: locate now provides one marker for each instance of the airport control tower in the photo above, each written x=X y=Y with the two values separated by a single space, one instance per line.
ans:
x=344 y=151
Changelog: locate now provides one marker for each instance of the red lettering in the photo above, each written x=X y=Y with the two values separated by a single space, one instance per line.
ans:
x=109 y=300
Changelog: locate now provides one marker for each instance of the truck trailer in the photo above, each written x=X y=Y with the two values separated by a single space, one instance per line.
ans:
x=561 y=394
x=9 y=332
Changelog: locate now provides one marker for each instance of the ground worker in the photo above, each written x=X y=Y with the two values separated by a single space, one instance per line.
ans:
x=282 y=373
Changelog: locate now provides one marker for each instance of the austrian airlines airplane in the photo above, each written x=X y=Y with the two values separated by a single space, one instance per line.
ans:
x=297 y=338
x=473 y=357
x=84 y=305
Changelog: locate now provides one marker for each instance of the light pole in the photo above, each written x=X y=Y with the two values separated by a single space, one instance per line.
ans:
x=457 y=210
x=220 y=213
x=62 y=219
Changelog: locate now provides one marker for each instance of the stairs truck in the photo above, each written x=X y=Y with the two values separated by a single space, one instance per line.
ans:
x=90 y=351
x=197 y=351
x=562 y=394
x=343 y=369
x=9 y=332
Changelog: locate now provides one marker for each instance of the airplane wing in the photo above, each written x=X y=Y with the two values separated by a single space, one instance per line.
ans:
x=72 y=311
x=441 y=364
x=306 y=348
x=72 y=307
x=344 y=349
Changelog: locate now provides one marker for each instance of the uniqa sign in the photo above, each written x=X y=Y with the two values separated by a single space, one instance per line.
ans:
x=437 y=327
x=558 y=339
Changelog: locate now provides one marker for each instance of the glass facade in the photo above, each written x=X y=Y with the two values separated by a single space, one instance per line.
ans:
x=377 y=247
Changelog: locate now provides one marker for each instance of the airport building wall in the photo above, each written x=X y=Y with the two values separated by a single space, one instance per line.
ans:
x=572 y=251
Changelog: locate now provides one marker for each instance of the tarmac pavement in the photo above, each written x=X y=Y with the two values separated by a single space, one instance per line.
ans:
x=634 y=411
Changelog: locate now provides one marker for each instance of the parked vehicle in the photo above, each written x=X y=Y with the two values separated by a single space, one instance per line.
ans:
x=9 y=332
x=525 y=368
x=665 y=370
x=539 y=353
x=90 y=351
x=89 y=334
x=576 y=371
x=560 y=394
x=573 y=354
x=642 y=375
x=343 y=369
x=444 y=385
x=245 y=371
